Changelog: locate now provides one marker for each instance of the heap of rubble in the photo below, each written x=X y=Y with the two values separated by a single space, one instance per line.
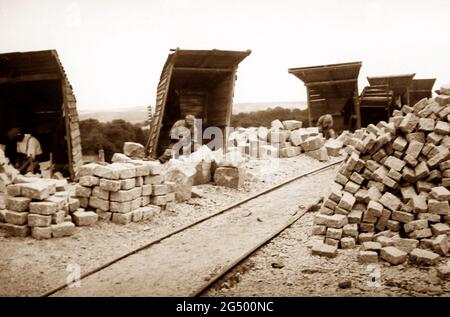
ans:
x=391 y=194
x=284 y=139
x=41 y=207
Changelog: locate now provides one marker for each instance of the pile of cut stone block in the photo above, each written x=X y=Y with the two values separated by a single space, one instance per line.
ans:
x=7 y=171
x=391 y=195
x=124 y=191
x=284 y=139
x=41 y=207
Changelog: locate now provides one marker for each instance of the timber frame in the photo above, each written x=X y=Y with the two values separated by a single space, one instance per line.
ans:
x=332 y=89
x=399 y=84
x=419 y=89
x=25 y=69
x=198 y=82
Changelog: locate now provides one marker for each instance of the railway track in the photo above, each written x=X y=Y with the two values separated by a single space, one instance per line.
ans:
x=209 y=284
x=218 y=275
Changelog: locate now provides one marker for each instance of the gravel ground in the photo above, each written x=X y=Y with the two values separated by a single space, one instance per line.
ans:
x=30 y=267
x=181 y=264
x=285 y=267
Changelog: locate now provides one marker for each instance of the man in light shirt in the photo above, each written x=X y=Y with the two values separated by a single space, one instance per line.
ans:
x=29 y=151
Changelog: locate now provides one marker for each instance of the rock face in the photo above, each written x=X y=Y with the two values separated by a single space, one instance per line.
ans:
x=232 y=177
x=132 y=149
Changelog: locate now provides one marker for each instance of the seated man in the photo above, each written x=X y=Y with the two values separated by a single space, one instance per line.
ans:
x=29 y=151
x=185 y=130
x=325 y=124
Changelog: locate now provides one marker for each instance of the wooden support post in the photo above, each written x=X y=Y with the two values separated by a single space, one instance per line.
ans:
x=308 y=99
x=229 y=105
x=357 y=107
x=101 y=155
x=68 y=130
x=52 y=169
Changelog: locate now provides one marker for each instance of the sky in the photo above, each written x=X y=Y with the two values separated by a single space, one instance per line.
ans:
x=113 y=50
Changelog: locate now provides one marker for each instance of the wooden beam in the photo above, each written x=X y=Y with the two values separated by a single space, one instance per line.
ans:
x=68 y=131
x=40 y=77
x=202 y=70
x=230 y=96
x=356 y=106
x=333 y=82
x=157 y=124
x=308 y=100
x=326 y=67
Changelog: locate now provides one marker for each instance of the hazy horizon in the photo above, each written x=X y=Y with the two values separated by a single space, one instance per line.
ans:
x=113 y=51
x=138 y=114
x=281 y=103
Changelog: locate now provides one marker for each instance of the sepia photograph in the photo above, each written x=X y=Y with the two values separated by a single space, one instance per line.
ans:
x=224 y=149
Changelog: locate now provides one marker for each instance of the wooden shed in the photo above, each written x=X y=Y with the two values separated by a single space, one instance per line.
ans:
x=332 y=89
x=197 y=82
x=36 y=96
x=399 y=84
x=376 y=104
x=419 y=89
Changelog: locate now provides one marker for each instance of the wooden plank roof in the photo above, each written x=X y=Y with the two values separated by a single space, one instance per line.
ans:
x=330 y=81
x=398 y=83
x=206 y=59
x=30 y=66
x=202 y=68
x=422 y=84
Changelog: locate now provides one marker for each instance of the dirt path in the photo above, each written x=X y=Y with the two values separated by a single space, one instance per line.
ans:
x=181 y=264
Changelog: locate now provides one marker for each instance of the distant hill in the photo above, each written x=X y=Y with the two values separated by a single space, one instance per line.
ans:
x=259 y=106
x=139 y=114
x=133 y=115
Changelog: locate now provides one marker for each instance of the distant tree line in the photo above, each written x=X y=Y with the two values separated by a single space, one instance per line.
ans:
x=109 y=136
x=265 y=117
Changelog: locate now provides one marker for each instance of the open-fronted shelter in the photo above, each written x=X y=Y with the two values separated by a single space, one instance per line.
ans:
x=332 y=89
x=36 y=96
x=197 y=82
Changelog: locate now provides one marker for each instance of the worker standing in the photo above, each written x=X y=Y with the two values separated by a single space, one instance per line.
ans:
x=325 y=124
